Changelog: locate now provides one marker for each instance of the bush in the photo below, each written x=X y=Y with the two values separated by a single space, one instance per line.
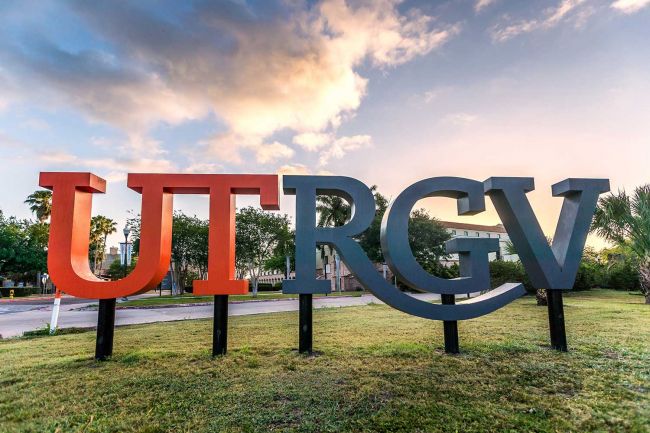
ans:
x=502 y=272
x=266 y=287
x=590 y=274
x=116 y=271
x=442 y=271
x=19 y=291
x=623 y=276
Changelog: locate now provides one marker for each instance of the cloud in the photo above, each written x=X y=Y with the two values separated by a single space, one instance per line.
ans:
x=227 y=148
x=482 y=4
x=459 y=119
x=312 y=141
x=9 y=142
x=273 y=152
x=343 y=145
x=435 y=93
x=202 y=167
x=300 y=169
x=115 y=169
x=260 y=68
x=329 y=146
x=629 y=6
x=552 y=17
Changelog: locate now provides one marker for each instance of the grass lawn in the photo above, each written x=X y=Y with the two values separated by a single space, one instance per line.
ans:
x=378 y=370
x=188 y=298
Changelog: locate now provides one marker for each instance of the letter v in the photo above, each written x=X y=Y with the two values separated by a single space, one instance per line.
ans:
x=555 y=266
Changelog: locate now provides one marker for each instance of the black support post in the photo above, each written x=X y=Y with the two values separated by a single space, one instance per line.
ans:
x=105 y=329
x=305 y=321
x=556 y=320
x=450 y=327
x=220 y=325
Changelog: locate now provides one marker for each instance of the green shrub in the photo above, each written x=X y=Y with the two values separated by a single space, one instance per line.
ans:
x=590 y=274
x=502 y=272
x=622 y=276
x=19 y=291
x=267 y=287
x=116 y=271
x=442 y=271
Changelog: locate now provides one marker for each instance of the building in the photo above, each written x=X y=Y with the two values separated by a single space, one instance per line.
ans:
x=326 y=259
x=112 y=255
x=466 y=230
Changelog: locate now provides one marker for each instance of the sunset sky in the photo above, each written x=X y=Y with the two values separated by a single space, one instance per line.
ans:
x=386 y=91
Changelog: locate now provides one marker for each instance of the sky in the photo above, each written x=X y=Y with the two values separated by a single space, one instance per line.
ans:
x=386 y=91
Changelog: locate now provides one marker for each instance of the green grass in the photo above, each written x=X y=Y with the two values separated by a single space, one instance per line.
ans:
x=188 y=298
x=378 y=370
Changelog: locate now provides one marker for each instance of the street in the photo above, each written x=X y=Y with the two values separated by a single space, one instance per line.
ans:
x=21 y=317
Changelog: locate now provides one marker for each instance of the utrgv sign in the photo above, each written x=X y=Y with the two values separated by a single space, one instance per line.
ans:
x=551 y=267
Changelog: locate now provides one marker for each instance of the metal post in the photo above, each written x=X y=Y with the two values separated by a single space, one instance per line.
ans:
x=55 y=312
x=305 y=322
x=450 y=327
x=220 y=325
x=337 y=265
x=126 y=250
x=105 y=329
x=556 y=320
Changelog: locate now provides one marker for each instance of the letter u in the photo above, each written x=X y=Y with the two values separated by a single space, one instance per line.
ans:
x=70 y=231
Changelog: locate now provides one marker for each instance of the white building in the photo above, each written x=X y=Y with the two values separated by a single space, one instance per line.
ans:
x=480 y=231
x=326 y=268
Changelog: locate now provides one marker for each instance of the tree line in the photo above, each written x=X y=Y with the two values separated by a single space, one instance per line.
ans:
x=264 y=240
x=23 y=242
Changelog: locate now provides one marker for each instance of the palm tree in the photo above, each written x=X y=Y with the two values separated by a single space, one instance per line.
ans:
x=510 y=249
x=625 y=220
x=540 y=294
x=100 y=228
x=40 y=202
x=332 y=211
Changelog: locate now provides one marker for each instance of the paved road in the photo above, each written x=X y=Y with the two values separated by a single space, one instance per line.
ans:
x=19 y=319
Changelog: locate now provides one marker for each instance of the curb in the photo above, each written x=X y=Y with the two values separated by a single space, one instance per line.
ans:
x=201 y=304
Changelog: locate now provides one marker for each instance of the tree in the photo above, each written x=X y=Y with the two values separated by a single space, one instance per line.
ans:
x=134 y=223
x=40 y=202
x=625 y=221
x=510 y=248
x=427 y=239
x=369 y=239
x=286 y=246
x=189 y=249
x=540 y=294
x=426 y=236
x=259 y=234
x=23 y=248
x=115 y=270
x=100 y=228
x=333 y=211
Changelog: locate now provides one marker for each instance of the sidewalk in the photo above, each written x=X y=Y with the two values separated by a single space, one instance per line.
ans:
x=74 y=315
